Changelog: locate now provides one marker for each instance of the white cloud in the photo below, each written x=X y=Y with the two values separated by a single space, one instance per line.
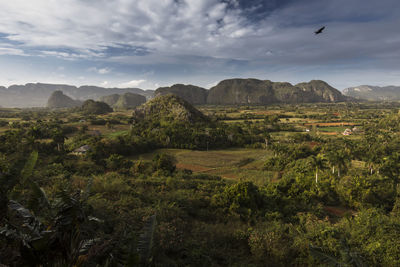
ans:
x=205 y=28
x=212 y=84
x=187 y=27
x=99 y=70
x=104 y=71
x=12 y=51
x=104 y=84
x=133 y=83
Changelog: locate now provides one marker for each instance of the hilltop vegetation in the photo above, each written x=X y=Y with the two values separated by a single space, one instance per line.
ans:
x=169 y=107
x=95 y=107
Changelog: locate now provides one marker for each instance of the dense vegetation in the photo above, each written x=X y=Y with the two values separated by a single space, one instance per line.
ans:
x=332 y=199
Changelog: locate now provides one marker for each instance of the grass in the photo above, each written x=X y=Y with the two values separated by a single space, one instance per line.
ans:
x=225 y=163
x=3 y=129
x=118 y=133
x=241 y=120
x=115 y=131
x=332 y=129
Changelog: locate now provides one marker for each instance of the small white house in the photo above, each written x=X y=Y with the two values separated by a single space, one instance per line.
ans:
x=82 y=150
x=347 y=132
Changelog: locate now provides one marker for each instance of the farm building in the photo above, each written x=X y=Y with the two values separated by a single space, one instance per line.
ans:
x=347 y=132
x=82 y=150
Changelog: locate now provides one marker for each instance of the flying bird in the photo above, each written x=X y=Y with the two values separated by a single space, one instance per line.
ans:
x=320 y=30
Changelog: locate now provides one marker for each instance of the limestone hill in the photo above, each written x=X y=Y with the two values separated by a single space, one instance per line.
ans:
x=95 y=107
x=169 y=107
x=253 y=91
x=125 y=101
x=110 y=100
x=59 y=100
x=193 y=94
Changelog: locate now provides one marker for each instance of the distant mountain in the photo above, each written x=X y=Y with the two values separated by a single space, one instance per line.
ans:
x=59 y=100
x=124 y=101
x=253 y=91
x=374 y=93
x=92 y=107
x=229 y=92
x=193 y=94
x=111 y=100
x=129 y=100
x=170 y=108
x=37 y=94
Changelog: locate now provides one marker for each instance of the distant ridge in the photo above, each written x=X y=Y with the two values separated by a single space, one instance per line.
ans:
x=193 y=94
x=254 y=91
x=227 y=92
x=124 y=101
x=37 y=94
x=257 y=92
x=374 y=93
x=59 y=100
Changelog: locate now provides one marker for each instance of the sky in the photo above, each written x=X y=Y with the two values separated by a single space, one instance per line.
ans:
x=153 y=43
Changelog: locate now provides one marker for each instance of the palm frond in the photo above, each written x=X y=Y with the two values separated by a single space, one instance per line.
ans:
x=145 y=242
x=324 y=257
x=29 y=166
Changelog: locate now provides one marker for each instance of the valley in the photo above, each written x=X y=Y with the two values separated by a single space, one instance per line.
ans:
x=214 y=174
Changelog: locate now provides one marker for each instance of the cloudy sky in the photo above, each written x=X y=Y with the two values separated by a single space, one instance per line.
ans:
x=152 y=43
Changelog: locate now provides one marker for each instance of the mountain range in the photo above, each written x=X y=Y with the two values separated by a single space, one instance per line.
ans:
x=257 y=92
x=37 y=94
x=374 y=93
x=227 y=92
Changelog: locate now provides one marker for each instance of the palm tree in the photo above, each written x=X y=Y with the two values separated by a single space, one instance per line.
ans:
x=347 y=256
x=319 y=163
x=58 y=137
x=342 y=159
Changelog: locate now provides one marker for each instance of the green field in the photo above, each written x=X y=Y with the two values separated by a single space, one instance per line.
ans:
x=234 y=163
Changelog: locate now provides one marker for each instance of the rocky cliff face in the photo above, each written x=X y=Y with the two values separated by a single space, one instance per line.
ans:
x=322 y=92
x=242 y=91
x=193 y=94
x=374 y=93
x=168 y=107
x=59 y=100
x=253 y=91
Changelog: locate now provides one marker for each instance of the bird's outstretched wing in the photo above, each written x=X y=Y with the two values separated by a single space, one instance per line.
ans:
x=319 y=30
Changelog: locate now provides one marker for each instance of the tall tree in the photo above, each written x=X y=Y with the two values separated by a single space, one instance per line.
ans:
x=318 y=163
